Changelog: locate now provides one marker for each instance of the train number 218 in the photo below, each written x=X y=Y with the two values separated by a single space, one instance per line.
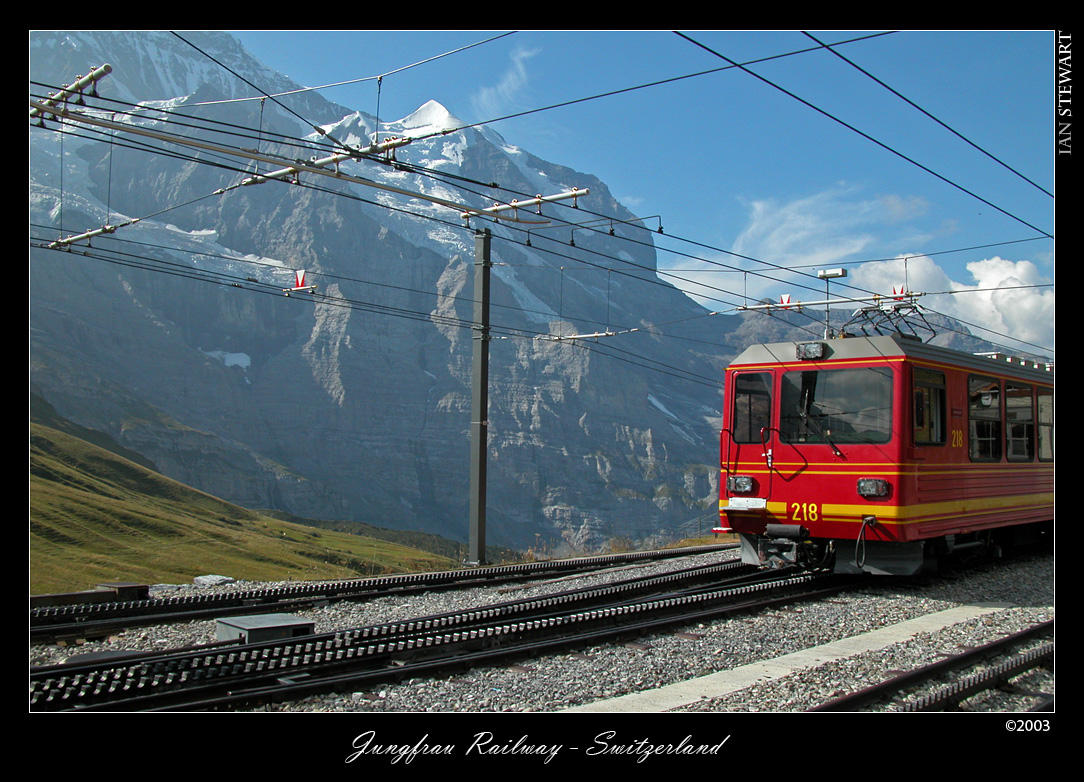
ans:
x=804 y=511
x=957 y=438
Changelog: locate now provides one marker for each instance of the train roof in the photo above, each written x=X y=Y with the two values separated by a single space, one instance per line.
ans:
x=895 y=346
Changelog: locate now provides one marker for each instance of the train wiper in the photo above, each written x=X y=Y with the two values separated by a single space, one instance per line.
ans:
x=811 y=422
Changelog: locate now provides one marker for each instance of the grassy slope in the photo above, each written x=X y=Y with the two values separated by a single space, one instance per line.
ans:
x=95 y=516
x=426 y=541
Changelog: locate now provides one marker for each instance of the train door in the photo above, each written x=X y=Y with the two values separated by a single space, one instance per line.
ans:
x=747 y=450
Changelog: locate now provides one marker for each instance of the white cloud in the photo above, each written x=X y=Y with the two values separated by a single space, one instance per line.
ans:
x=820 y=230
x=914 y=272
x=900 y=208
x=490 y=102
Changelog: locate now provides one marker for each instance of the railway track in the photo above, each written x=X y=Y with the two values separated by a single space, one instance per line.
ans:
x=944 y=685
x=97 y=619
x=229 y=676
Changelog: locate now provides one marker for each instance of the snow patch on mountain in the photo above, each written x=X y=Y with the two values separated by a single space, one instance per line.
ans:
x=660 y=406
x=534 y=308
x=431 y=117
x=242 y=360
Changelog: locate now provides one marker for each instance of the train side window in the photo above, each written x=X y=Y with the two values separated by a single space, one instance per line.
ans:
x=929 y=407
x=1045 y=408
x=984 y=418
x=752 y=406
x=1019 y=422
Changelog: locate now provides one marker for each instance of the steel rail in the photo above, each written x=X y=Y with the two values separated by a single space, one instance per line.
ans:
x=888 y=689
x=951 y=695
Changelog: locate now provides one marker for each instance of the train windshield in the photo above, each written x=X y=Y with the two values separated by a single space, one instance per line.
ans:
x=836 y=406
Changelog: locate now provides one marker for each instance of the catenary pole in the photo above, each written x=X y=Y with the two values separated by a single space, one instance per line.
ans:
x=479 y=406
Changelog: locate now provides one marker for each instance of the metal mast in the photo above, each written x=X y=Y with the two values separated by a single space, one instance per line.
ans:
x=479 y=401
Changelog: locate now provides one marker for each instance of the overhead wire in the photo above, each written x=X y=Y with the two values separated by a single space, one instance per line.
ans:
x=962 y=137
x=902 y=257
x=569 y=224
x=667 y=272
x=431 y=217
x=658 y=366
x=385 y=206
x=635 y=88
x=780 y=268
x=179 y=118
x=864 y=135
x=744 y=271
x=460 y=184
x=491 y=121
x=319 y=130
x=361 y=79
x=421 y=171
x=221 y=278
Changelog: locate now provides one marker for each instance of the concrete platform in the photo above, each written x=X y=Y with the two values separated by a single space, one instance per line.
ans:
x=694 y=690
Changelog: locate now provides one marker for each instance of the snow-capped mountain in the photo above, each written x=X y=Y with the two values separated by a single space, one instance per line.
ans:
x=353 y=403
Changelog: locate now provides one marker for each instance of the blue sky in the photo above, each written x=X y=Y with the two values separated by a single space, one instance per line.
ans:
x=734 y=163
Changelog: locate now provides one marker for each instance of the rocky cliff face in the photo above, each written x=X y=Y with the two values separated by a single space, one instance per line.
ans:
x=173 y=335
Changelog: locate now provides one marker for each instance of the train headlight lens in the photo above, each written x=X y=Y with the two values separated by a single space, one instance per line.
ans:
x=739 y=484
x=807 y=351
x=873 y=487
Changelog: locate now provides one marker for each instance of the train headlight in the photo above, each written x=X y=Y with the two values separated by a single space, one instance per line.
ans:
x=873 y=487
x=739 y=484
x=808 y=351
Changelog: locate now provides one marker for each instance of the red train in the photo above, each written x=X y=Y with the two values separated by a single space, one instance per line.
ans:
x=880 y=454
